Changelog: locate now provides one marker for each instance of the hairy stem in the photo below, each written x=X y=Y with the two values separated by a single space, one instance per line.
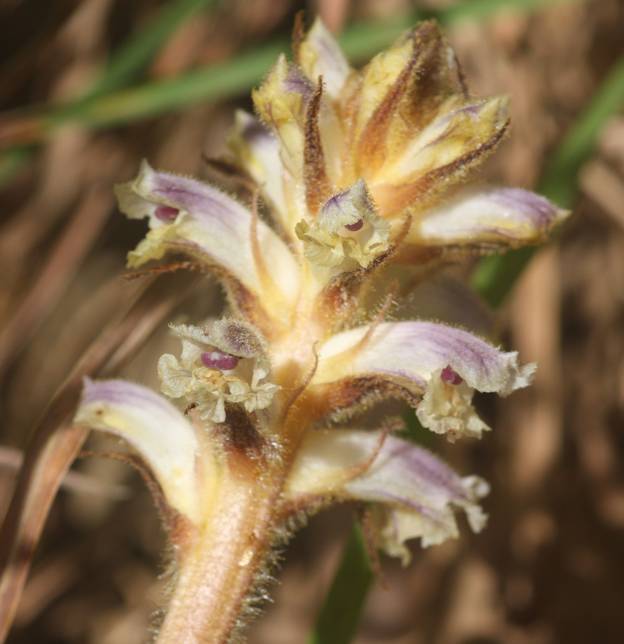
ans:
x=221 y=566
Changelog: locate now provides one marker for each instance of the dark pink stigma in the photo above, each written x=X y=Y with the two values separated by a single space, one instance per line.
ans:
x=356 y=225
x=450 y=376
x=219 y=360
x=166 y=213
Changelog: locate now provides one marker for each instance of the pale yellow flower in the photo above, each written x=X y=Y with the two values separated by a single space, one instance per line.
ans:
x=356 y=171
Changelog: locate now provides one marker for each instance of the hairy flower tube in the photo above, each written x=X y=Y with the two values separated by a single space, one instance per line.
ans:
x=360 y=177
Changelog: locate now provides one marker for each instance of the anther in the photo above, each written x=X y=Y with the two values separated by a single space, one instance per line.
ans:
x=450 y=376
x=166 y=213
x=356 y=225
x=219 y=360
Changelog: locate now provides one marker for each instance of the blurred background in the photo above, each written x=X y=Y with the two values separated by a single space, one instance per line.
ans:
x=91 y=87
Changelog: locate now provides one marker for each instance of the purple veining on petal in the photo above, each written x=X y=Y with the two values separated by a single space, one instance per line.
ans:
x=297 y=83
x=254 y=131
x=219 y=360
x=166 y=213
x=355 y=226
x=201 y=200
x=538 y=209
x=473 y=110
x=450 y=376
x=216 y=225
x=347 y=203
x=428 y=482
x=122 y=392
x=446 y=343
x=423 y=465
x=335 y=200
x=454 y=344
x=415 y=350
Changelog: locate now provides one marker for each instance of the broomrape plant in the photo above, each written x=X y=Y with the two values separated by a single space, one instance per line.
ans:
x=361 y=174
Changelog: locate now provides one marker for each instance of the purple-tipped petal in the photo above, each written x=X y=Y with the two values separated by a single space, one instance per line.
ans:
x=155 y=428
x=415 y=350
x=506 y=216
x=327 y=239
x=418 y=490
x=307 y=126
x=320 y=55
x=209 y=225
x=281 y=102
x=415 y=355
x=440 y=155
x=257 y=150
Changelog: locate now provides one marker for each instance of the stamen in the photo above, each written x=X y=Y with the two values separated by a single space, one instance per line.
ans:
x=219 y=360
x=166 y=213
x=356 y=225
x=450 y=376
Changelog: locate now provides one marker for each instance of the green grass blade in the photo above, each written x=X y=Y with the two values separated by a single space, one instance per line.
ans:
x=125 y=64
x=237 y=75
x=12 y=162
x=340 y=613
x=132 y=57
x=482 y=9
x=209 y=83
x=495 y=276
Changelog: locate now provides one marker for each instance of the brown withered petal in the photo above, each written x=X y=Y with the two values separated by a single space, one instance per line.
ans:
x=429 y=76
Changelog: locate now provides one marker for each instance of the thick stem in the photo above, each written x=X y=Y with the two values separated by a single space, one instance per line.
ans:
x=220 y=567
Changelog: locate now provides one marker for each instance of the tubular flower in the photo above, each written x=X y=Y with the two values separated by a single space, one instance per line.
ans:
x=355 y=171
x=223 y=363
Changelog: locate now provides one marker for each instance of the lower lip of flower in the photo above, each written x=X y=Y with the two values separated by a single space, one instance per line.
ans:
x=450 y=376
x=219 y=360
x=355 y=226
x=166 y=213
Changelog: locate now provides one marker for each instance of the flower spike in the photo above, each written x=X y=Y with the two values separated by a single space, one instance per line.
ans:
x=358 y=173
x=407 y=125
